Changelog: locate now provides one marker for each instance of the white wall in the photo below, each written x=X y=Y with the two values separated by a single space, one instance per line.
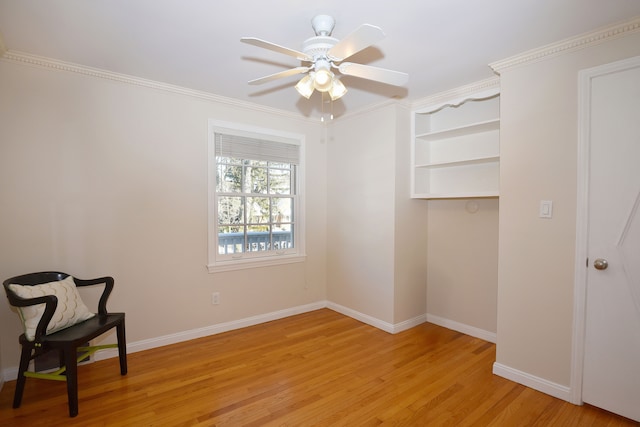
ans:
x=376 y=256
x=99 y=177
x=539 y=134
x=410 y=229
x=463 y=265
x=360 y=213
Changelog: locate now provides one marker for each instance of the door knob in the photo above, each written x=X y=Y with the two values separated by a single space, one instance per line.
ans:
x=600 y=264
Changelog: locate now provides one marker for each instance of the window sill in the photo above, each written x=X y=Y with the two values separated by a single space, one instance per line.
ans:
x=241 y=264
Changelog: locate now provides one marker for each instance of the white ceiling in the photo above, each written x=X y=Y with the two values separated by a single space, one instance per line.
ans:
x=196 y=44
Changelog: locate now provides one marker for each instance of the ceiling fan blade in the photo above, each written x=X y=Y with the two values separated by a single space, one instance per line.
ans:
x=364 y=36
x=286 y=73
x=276 y=48
x=395 y=78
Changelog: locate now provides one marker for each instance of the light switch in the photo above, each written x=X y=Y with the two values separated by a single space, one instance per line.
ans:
x=546 y=209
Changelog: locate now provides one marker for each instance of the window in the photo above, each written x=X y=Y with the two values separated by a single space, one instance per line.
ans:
x=255 y=208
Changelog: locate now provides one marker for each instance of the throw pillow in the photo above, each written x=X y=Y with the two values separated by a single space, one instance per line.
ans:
x=70 y=309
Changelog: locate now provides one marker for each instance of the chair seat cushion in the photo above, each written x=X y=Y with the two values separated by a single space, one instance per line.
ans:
x=69 y=311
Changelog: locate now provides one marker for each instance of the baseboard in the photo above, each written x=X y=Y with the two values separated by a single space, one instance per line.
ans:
x=531 y=381
x=364 y=318
x=377 y=323
x=540 y=384
x=133 y=347
x=461 y=327
x=408 y=324
x=211 y=330
x=11 y=373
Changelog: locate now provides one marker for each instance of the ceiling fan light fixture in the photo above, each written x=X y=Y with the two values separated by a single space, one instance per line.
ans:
x=337 y=89
x=323 y=80
x=305 y=85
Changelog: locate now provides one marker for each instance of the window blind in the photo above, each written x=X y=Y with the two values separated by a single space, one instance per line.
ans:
x=256 y=149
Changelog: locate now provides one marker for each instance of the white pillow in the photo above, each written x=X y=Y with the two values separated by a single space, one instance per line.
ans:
x=70 y=309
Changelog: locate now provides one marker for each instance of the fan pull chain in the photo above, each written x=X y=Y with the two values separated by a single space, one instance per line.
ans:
x=322 y=108
x=331 y=116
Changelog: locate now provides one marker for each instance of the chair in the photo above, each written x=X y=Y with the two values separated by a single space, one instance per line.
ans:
x=45 y=333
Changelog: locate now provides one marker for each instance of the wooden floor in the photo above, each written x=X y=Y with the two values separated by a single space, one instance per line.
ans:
x=319 y=368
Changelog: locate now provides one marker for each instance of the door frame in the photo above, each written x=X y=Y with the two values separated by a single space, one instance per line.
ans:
x=582 y=220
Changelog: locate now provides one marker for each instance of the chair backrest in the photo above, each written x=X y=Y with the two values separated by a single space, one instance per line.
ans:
x=56 y=276
x=31 y=279
x=56 y=287
x=36 y=278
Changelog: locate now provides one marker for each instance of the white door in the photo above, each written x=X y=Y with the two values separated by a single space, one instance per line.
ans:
x=611 y=370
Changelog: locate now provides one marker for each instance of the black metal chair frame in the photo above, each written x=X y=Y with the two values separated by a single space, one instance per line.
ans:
x=67 y=342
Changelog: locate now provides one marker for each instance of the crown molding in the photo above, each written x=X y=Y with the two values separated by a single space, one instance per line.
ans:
x=57 y=65
x=53 y=64
x=569 y=45
x=369 y=108
x=478 y=90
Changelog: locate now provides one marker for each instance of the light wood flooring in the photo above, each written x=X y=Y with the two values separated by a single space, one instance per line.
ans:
x=315 y=369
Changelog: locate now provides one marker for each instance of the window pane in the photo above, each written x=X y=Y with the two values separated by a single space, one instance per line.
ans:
x=262 y=163
x=282 y=210
x=279 y=181
x=255 y=180
x=230 y=239
x=282 y=236
x=229 y=160
x=229 y=179
x=257 y=210
x=280 y=165
x=258 y=238
x=230 y=210
x=254 y=197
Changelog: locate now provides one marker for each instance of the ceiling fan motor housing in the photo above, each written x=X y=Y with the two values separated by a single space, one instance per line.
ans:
x=323 y=25
x=317 y=47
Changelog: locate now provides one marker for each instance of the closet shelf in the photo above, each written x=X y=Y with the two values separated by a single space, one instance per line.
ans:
x=455 y=149
x=472 y=128
x=458 y=195
x=452 y=163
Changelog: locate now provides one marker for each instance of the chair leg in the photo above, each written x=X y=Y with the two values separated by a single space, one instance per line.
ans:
x=122 y=348
x=25 y=358
x=72 y=379
x=61 y=358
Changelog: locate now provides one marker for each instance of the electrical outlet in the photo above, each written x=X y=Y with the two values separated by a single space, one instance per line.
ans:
x=215 y=298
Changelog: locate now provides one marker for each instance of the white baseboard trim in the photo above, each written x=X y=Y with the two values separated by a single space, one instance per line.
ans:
x=365 y=318
x=11 y=373
x=377 y=323
x=461 y=327
x=531 y=381
x=408 y=324
x=211 y=330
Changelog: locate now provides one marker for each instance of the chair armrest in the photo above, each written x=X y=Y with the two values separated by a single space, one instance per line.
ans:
x=108 y=287
x=50 y=301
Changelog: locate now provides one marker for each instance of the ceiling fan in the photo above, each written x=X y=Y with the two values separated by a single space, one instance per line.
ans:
x=324 y=53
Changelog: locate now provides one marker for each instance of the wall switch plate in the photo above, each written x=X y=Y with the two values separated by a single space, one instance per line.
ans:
x=215 y=298
x=546 y=209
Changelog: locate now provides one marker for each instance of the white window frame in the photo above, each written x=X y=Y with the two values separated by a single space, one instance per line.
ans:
x=218 y=262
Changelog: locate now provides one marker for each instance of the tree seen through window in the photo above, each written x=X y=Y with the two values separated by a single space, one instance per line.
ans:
x=255 y=203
